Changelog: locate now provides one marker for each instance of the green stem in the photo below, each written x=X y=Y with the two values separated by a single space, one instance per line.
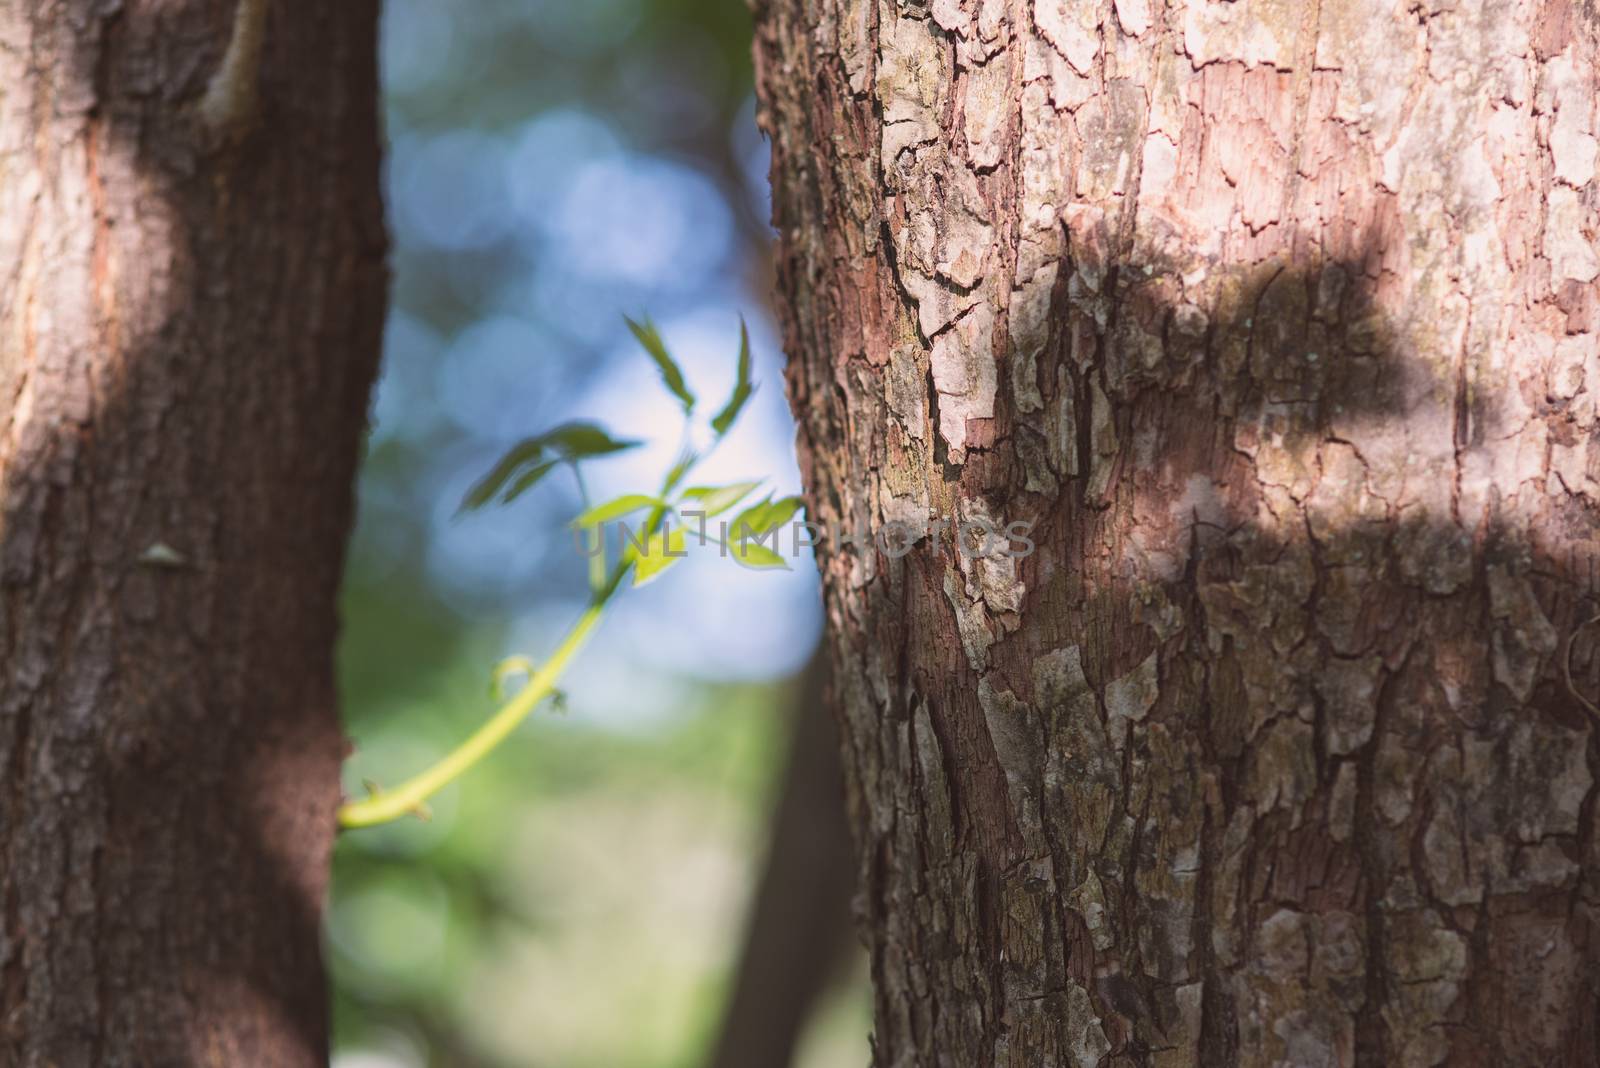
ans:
x=407 y=798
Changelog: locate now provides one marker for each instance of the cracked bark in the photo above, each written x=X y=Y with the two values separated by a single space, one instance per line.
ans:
x=1282 y=323
x=188 y=331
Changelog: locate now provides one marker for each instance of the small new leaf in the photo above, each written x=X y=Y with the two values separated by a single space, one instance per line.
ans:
x=650 y=339
x=714 y=500
x=756 y=556
x=664 y=549
x=615 y=508
x=741 y=387
x=764 y=516
x=506 y=669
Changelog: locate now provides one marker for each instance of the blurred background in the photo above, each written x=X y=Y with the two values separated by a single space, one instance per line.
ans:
x=653 y=878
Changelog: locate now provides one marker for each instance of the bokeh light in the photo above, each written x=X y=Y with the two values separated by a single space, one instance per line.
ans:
x=553 y=166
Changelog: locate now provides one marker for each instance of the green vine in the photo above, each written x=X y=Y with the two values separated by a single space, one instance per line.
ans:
x=657 y=546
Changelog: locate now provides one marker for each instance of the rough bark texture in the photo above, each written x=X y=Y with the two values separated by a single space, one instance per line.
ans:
x=1282 y=322
x=190 y=304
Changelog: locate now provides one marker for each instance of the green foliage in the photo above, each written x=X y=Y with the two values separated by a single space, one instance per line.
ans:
x=659 y=543
x=686 y=461
x=756 y=556
x=665 y=548
x=616 y=508
x=764 y=517
x=714 y=500
x=529 y=460
x=516 y=850
x=671 y=374
x=741 y=388
x=755 y=522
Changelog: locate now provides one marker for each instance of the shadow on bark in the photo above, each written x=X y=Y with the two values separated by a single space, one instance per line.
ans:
x=1324 y=609
x=187 y=404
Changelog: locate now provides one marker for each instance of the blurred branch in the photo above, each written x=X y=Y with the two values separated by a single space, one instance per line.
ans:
x=799 y=924
x=409 y=797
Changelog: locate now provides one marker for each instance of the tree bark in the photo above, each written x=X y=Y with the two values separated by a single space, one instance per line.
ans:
x=191 y=301
x=1281 y=322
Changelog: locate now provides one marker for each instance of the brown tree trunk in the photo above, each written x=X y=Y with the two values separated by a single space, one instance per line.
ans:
x=191 y=295
x=1281 y=321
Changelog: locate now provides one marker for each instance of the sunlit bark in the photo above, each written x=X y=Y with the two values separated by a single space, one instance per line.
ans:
x=1282 y=323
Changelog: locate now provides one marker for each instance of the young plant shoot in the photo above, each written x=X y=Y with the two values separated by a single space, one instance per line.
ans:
x=659 y=543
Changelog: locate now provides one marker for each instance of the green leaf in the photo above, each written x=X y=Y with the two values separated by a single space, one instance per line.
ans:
x=529 y=460
x=759 y=519
x=780 y=512
x=517 y=458
x=662 y=551
x=741 y=388
x=527 y=480
x=650 y=338
x=764 y=516
x=574 y=441
x=612 y=509
x=745 y=519
x=757 y=557
x=714 y=500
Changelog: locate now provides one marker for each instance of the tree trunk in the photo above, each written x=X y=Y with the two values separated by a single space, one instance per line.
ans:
x=190 y=306
x=1281 y=322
